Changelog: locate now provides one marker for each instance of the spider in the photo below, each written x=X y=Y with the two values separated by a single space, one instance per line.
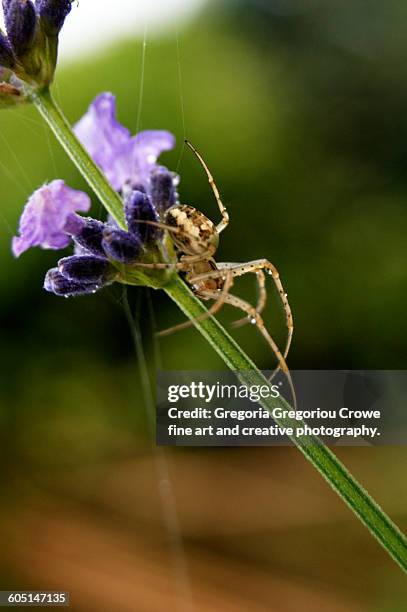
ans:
x=196 y=239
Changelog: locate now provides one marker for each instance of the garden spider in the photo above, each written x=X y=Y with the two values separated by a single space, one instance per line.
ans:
x=196 y=239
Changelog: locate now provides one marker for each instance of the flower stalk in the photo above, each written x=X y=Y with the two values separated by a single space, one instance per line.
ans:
x=95 y=178
x=322 y=458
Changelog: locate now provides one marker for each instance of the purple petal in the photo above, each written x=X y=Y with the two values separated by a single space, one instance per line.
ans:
x=74 y=224
x=47 y=217
x=147 y=146
x=123 y=158
x=105 y=139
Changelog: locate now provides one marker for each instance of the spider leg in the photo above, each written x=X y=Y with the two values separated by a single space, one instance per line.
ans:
x=261 y=289
x=216 y=306
x=261 y=301
x=225 y=216
x=254 y=266
x=158 y=266
x=164 y=226
x=256 y=319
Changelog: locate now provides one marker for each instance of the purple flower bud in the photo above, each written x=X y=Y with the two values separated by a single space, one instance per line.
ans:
x=21 y=20
x=52 y=14
x=120 y=245
x=138 y=206
x=79 y=250
x=6 y=53
x=162 y=189
x=56 y=283
x=90 y=236
x=86 y=269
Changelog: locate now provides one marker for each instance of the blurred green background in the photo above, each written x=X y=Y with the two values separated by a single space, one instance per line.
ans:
x=299 y=109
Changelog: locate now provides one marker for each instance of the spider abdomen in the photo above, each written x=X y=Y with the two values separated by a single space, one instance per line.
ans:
x=208 y=284
x=197 y=235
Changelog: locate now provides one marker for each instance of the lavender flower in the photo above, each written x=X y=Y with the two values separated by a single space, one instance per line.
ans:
x=138 y=206
x=163 y=189
x=125 y=159
x=121 y=246
x=89 y=238
x=103 y=252
x=56 y=282
x=21 y=21
x=7 y=59
x=52 y=14
x=48 y=217
x=87 y=268
x=30 y=48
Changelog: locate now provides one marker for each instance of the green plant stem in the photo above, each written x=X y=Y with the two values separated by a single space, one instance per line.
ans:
x=323 y=459
x=327 y=464
x=52 y=114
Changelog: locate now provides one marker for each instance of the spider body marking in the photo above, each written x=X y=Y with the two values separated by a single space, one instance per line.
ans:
x=198 y=235
x=196 y=239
